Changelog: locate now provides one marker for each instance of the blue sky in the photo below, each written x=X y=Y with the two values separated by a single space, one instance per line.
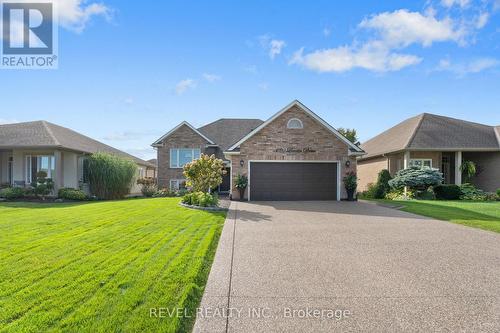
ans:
x=130 y=71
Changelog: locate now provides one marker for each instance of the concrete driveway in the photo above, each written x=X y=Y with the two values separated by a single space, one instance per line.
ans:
x=341 y=266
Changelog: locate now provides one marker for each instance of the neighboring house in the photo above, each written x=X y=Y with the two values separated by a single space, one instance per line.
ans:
x=294 y=155
x=151 y=172
x=440 y=142
x=26 y=148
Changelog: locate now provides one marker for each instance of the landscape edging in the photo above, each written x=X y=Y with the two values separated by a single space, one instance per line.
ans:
x=210 y=209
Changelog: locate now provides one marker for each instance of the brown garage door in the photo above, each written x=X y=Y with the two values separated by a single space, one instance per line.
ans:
x=293 y=181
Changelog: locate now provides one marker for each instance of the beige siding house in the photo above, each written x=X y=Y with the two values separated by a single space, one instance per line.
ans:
x=435 y=141
x=26 y=148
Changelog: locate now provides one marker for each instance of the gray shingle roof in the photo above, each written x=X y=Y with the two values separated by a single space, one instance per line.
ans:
x=225 y=132
x=433 y=132
x=42 y=134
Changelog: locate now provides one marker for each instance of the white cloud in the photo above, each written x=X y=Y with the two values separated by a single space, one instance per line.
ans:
x=402 y=28
x=273 y=46
x=75 y=14
x=184 y=85
x=371 y=56
x=464 y=68
x=211 y=77
x=482 y=19
x=482 y=64
x=381 y=51
x=451 y=3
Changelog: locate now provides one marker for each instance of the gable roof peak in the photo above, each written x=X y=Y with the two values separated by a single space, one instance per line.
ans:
x=304 y=108
x=183 y=123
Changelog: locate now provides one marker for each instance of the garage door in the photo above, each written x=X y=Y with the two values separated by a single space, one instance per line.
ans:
x=293 y=181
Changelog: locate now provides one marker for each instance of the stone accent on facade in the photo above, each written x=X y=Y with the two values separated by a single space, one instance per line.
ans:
x=313 y=142
x=184 y=137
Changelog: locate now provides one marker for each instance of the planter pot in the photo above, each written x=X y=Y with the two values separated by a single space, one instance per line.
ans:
x=242 y=193
x=350 y=195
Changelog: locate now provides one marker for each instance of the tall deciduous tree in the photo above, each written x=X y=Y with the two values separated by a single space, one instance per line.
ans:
x=349 y=133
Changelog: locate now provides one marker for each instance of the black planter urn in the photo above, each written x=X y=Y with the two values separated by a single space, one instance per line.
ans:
x=350 y=195
x=242 y=192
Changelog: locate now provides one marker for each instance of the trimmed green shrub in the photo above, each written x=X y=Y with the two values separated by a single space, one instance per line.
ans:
x=490 y=196
x=110 y=176
x=382 y=185
x=71 y=194
x=42 y=186
x=12 y=193
x=369 y=193
x=399 y=194
x=498 y=192
x=470 y=192
x=416 y=178
x=201 y=199
x=447 y=192
x=425 y=195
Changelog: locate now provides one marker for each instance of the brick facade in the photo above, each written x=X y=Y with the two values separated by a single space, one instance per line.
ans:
x=184 y=137
x=368 y=171
x=262 y=146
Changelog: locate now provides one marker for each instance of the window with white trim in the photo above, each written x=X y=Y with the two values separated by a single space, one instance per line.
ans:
x=140 y=172
x=179 y=157
x=38 y=163
x=294 y=123
x=177 y=184
x=421 y=163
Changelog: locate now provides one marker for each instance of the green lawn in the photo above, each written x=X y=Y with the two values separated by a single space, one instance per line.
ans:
x=101 y=266
x=484 y=214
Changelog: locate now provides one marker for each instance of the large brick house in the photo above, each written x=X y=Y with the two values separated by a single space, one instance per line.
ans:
x=294 y=155
x=440 y=142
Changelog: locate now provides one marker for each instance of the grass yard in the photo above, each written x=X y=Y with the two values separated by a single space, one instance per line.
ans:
x=101 y=266
x=483 y=214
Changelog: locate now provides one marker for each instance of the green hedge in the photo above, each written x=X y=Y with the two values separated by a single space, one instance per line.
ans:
x=110 y=176
x=447 y=192
x=200 y=199
x=71 y=194
x=12 y=193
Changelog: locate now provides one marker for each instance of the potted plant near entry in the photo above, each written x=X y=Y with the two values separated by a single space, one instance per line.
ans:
x=241 y=185
x=350 y=183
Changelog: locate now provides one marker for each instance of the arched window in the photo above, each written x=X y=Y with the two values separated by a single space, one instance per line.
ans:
x=294 y=123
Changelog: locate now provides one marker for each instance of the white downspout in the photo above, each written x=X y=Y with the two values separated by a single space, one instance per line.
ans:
x=406 y=165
